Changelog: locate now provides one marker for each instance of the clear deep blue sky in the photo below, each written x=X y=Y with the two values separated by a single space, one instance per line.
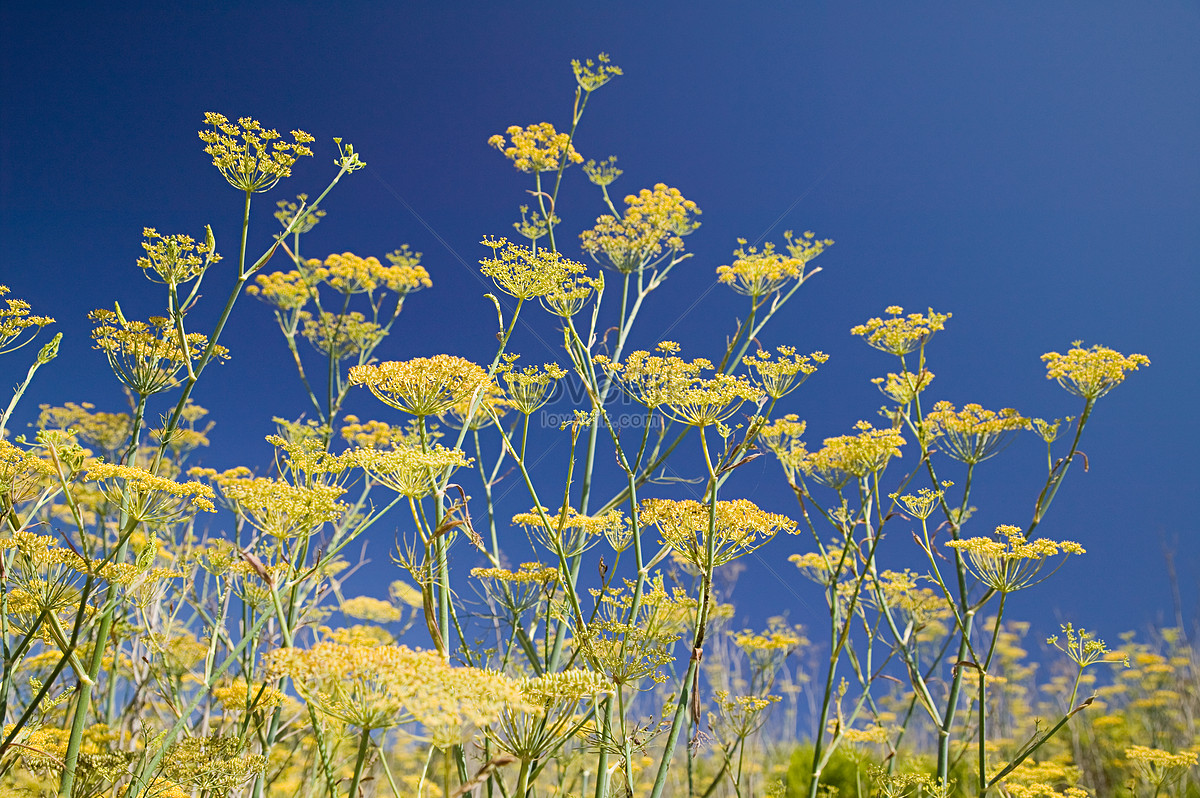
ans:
x=1031 y=167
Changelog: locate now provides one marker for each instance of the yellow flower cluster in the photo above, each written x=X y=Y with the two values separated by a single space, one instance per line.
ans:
x=147 y=496
x=285 y=290
x=176 y=258
x=758 y=274
x=409 y=470
x=372 y=434
x=653 y=219
x=241 y=696
x=532 y=573
x=375 y=687
x=903 y=388
x=1093 y=372
x=537 y=148
x=603 y=173
x=22 y=475
x=348 y=273
x=740 y=528
x=572 y=295
x=675 y=386
x=1084 y=648
x=213 y=764
x=784 y=374
x=490 y=405
x=900 y=335
x=423 y=386
x=782 y=438
x=973 y=434
x=288 y=210
x=1159 y=767
x=922 y=504
x=341 y=335
x=853 y=456
x=535 y=225
x=251 y=158
x=1009 y=562
x=627 y=650
x=15 y=319
x=526 y=273
x=578 y=532
x=276 y=507
x=530 y=388
x=146 y=356
x=591 y=75
x=371 y=609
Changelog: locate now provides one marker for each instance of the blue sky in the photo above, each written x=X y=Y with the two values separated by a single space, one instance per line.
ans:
x=1031 y=167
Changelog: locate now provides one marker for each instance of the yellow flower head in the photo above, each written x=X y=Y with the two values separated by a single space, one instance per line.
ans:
x=782 y=438
x=757 y=274
x=288 y=210
x=340 y=336
x=14 y=320
x=287 y=291
x=525 y=273
x=212 y=764
x=1008 y=561
x=973 y=434
x=572 y=295
x=531 y=387
x=407 y=469
x=675 y=386
x=853 y=456
x=741 y=527
x=423 y=386
x=781 y=376
x=603 y=173
x=529 y=573
x=921 y=505
x=1084 y=648
x=276 y=507
x=490 y=405
x=176 y=258
x=654 y=220
x=903 y=388
x=108 y=432
x=571 y=532
x=375 y=687
x=22 y=474
x=1093 y=372
x=251 y=158
x=537 y=148
x=148 y=496
x=591 y=75
x=900 y=335
x=371 y=609
x=146 y=356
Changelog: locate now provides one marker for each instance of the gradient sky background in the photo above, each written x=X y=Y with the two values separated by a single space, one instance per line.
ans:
x=1031 y=167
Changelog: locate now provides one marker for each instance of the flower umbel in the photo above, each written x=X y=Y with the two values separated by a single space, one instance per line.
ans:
x=900 y=335
x=423 y=386
x=591 y=75
x=536 y=148
x=146 y=356
x=973 y=434
x=741 y=527
x=14 y=320
x=1013 y=562
x=1093 y=372
x=250 y=157
x=654 y=220
x=176 y=258
x=525 y=273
